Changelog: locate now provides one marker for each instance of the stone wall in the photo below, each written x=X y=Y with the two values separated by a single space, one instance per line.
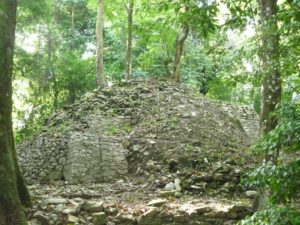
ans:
x=96 y=155
x=43 y=158
x=250 y=125
x=77 y=156
x=245 y=114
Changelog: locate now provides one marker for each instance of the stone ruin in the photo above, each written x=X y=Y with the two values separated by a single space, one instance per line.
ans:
x=122 y=128
x=245 y=114
x=75 y=156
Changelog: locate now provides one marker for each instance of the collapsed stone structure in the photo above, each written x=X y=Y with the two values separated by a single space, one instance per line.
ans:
x=245 y=114
x=131 y=125
x=82 y=155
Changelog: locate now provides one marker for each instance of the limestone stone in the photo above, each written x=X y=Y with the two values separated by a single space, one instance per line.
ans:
x=195 y=187
x=40 y=218
x=93 y=206
x=72 y=219
x=125 y=219
x=71 y=210
x=177 y=194
x=157 y=202
x=34 y=222
x=56 y=201
x=177 y=185
x=252 y=194
x=170 y=186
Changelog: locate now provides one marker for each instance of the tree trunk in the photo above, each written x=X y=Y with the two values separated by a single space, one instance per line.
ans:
x=128 y=66
x=11 y=211
x=182 y=36
x=55 y=92
x=166 y=63
x=21 y=186
x=50 y=70
x=73 y=19
x=167 y=59
x=100 y=43
x=73 y=33
x=271 y=84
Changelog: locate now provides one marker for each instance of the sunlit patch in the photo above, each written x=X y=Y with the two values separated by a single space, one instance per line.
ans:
x=20 y=94
x=27 y=41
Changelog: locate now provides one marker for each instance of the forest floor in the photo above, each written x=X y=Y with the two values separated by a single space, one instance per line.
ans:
x=133 y=201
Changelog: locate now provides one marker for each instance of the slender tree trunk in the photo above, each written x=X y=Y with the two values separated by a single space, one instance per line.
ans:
x=73 y=18
x=73 y=43
x=100 y=44
x=182 y=36
x=167 y=59
x=167 y=68
x=128 y=65
x=11 y=211
x=271 y=84
x=50 y=70
x=55 y=94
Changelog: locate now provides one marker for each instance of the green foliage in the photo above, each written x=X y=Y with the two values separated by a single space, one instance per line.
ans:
x=281 y=180
x=173 y=122
x=274 y=215
x=188 y=148
x=240 y=13
x=286 y=135
x=219 y=90
x=127 y=128
x=113 y=130
x=30 y=11
x=75 y=76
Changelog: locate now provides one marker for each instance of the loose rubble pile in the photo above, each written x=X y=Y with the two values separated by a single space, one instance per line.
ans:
x=125 y=202
x=171 y=157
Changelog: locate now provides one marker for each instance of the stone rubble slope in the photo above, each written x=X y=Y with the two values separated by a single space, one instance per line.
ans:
x=125 y=202
x=133 y=125
x=169 y=156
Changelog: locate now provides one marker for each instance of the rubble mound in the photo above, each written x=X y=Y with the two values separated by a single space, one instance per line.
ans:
x=170 y=157
x=133 y=126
